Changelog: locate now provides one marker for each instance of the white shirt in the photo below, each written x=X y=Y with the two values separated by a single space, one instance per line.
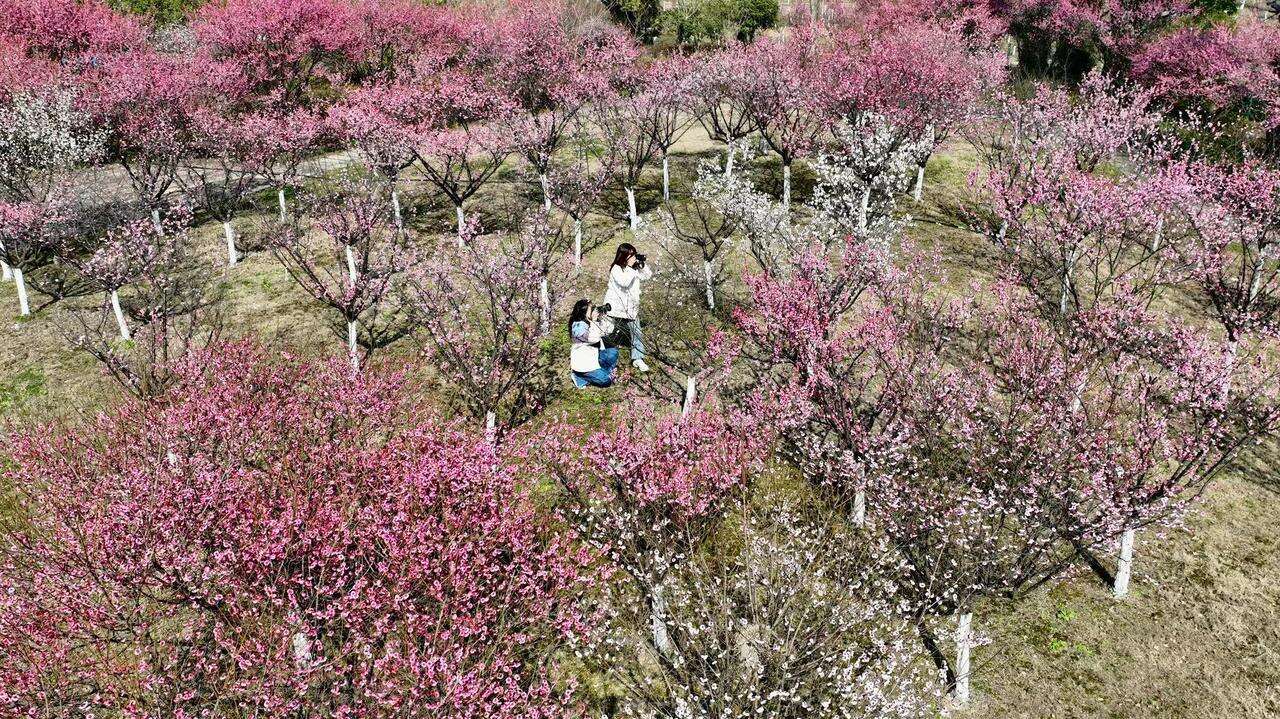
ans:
x=585 y=356
x=623 y=292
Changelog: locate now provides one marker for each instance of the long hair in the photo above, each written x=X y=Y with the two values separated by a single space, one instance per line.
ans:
x=625 y=252
x=578 y=314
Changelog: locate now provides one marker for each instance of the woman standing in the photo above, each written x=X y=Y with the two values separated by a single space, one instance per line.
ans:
x=622 y=296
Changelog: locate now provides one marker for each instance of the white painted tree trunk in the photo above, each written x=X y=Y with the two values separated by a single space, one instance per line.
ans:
x=631 y=209
x=119 y=313
x=666 y=178
x=351 y=265
x=230 y=233
x=1228 y=379
x=657 y=622
x=395 y=209
x=786 y=186
x=1124 y=569
x=6 y=271
x=918 y=192
x=690 y=396
x=709 y=278
x=23 y=306
x=352 y=346
x=284 y=214
x=577 y=242
x=1155 y=247
x=490 y=426
x=546 y=192
x=728 y=163
x=964 y=642
x=301 y=649
x=865 y=209
x=544 y=305
x=462 y=222
x=859 y=508
x=1004 y=229
x=155 y=222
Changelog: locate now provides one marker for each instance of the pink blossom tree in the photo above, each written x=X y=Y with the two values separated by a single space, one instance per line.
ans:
x=669 y=84
x=383 y=123
x=168 y=302
x=650 y=491
x=626 y=132
x=72 y=33
x=1215 y=70
x=28 y=241
x=145 y=100
x=227 y=169
x=280 y=54
x=279 y=536
x=716 y=99
x=286 y=140
x=479 y=312
x=922 y=78
x=1232 y=248
x=128 y=253
x=576 y=188
x=784 y=97
x=357 y=269
x=552 y=73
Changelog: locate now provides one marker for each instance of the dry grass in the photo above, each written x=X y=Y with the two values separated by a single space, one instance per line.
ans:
x=1198 y=638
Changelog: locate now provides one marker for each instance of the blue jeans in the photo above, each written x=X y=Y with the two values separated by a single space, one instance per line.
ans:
x=602 y=377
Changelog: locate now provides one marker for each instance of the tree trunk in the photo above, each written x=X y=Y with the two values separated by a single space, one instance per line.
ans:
x=230 y=233
x=353 y=346
x=865 y=209
x=918 y=192
x=23 y=307
x=935 y=653
x=462 y=222
x=351 y=264
x=395 y=209
x=546 y=192
x=6 y=272
x=709 y=276
x=786 y=185
x=657 y=622
x=155 y=221
x=577 y=242
x=1064 y=297
x=1155 y=246
x=860 y=508
x=1124 y=569
x=666 y=178
x=115 y=308
x=1004 y=229
x=544 y=304
x=690 y=396
x=284 y=215
x=631 y=209
x=491 y=427
x=728 y=163
x=964 y=641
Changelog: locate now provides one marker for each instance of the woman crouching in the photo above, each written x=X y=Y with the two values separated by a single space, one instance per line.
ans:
x=592 y=363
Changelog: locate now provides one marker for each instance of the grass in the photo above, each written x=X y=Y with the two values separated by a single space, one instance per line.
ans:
x=1198 y=637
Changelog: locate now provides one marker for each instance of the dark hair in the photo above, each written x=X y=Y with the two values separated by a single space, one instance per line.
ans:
x=625 y=252
x=578 y=314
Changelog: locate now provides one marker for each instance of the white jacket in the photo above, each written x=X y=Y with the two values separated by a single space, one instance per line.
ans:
x=623 y=292
x=585 y=356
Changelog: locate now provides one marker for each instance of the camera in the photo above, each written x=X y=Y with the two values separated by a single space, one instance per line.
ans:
x=640 y=260
x=604 y=309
